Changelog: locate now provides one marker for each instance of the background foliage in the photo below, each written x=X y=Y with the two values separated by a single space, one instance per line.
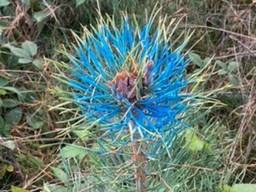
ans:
x=41 y=146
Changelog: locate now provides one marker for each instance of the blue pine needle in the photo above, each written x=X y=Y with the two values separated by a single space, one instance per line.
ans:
x=130 y=75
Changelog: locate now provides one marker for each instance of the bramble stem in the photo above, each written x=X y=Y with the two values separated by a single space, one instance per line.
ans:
x=139 y=160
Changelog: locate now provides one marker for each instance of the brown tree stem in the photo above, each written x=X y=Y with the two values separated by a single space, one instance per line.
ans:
x=139 y=160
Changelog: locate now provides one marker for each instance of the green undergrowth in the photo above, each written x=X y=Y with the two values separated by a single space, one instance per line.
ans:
x=46 y=145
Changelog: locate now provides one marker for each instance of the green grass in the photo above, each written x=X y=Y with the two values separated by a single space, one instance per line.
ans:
x=36 y=124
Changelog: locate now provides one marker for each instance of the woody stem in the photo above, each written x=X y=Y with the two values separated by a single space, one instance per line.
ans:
x=139 y=161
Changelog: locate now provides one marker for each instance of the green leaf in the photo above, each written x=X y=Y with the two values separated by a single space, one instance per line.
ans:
x=196 y=59
x=71 y=151
x=11 y=89
x=9 y=103
x=60 y=174
x=226 y=188
x=32 y=162
x=222 y=72
x=13 y=117
x=221 y=64
x=46 y=188
x=2 y=170
x=38 y=63
x=27 y=2
x=243 y=188
x=54 y=188
x=3 y=82
x=233 y=66
x=2 y=92
x=25 y=60
x=162 y=190
x=207 y=60
x=193 y=142
x=9 y=168
x=2 y=123
x=9 y=144
x=40 y=16
x=30 y=47
x=18 y=189
x=4 y=3
x=3 y=25
x=233 y=79
x=82 y=133
x=18 y=51
x=79 y=2
x=34 y=122
x=4 y=128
